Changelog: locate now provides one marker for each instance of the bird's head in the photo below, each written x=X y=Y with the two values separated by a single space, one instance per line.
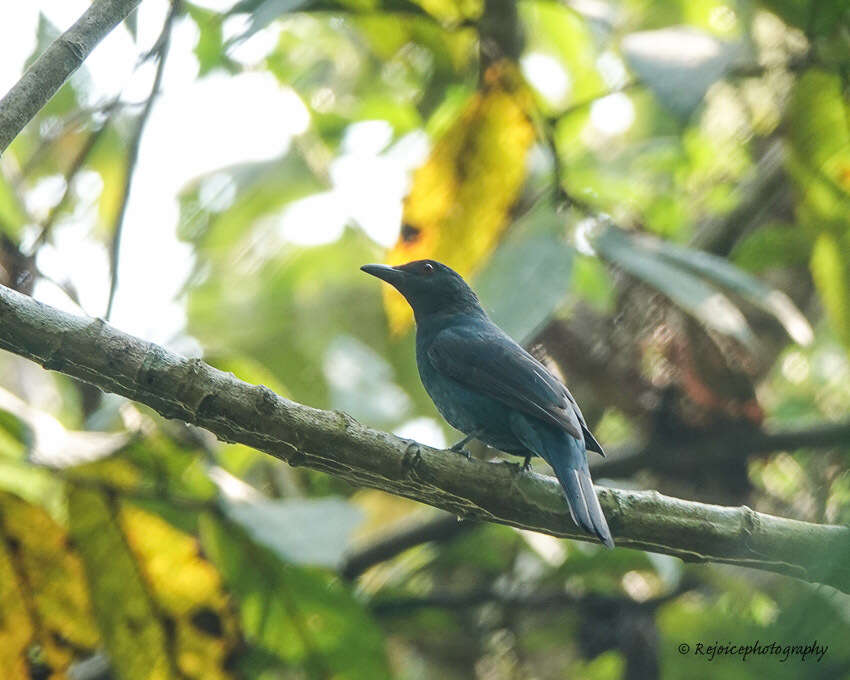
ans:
x=430 y=287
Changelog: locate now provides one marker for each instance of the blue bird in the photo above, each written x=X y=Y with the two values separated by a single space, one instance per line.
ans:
x=488 y=387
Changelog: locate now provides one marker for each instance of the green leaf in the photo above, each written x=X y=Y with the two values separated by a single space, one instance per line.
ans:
x=160 y=606
x=13 y=216
x=726 y=275
x=210 y=47
x=831 y=272
x=222 y=206
x=308 y=531
x=773 y=245
x=133 y=633
x=44 y=598
x=50 y=443
x=263 y=12
x=528 y=276
x=304 y=616
x=703 y=301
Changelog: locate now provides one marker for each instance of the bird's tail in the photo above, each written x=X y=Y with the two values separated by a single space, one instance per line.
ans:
x=566 y=455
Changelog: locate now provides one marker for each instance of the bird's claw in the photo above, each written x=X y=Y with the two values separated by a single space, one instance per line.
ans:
x=462 y=450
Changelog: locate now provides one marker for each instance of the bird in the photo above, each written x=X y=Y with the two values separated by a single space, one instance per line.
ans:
x=488 y=387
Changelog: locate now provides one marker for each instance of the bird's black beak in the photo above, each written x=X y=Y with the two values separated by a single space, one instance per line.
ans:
x=384 y=272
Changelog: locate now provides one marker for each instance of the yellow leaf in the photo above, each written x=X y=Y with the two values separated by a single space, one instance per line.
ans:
x=461 y=197
x=44 y=601
x=188 y=589
x=134 y=634
x=160 y=604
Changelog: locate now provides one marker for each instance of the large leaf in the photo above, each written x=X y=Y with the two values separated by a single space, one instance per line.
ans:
x=309 y=531
x=820 y=167
x=460 y=200
x=831 y=271
x=47 y=441
x=304 y=616
x=679 y=63
x=691 y=293
x=160 y=606
x=44 y=602
x=527 y=277
x=726 y=275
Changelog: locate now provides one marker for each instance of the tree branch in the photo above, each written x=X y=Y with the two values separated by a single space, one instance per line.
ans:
x=64 y=56
x=333 y=442
x=440 y=529
x=713 y=448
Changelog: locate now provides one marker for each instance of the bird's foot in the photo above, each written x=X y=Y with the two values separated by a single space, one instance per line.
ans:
x=412 y=457
x=460 y=447
x=462 y=450
x=526 y=464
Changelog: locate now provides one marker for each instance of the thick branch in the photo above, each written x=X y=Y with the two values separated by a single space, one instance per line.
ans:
x=333 y=442
x=64 y=56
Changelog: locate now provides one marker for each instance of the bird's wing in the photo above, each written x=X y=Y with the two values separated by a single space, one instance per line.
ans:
x=488 y=361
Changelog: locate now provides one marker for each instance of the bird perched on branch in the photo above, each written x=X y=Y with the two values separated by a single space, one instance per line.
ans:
x=488 y=387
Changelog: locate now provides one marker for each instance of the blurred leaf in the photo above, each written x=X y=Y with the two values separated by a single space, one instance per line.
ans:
x=132 y=24
x=49 y=443
x=43 y=594
x=460 y=199
x=528 y=276
x=66 y=99
x=309 y=531
x=558 y=30
x=263 y=12
x=679 y=63
x=692 y=294
x=210 y=47
x=133 y=632
x=815 y=17
x=221 y=207
x=188 y=593
x=159 y=605
x=773 y=245
x=108 y=158
x=831 y=272
x=353 y=369
x=16 y=437
x=305 y=616
x=13 y=214
x=820 y=151
x=820 y=166
x=724 y=274
x=285 y=312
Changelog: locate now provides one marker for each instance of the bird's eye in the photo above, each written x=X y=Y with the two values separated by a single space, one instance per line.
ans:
x=428 y=268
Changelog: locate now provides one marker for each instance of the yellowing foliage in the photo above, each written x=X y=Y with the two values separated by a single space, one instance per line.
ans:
x=188 y=589
x=44 y=606
x=460 y=199
x=160 y=605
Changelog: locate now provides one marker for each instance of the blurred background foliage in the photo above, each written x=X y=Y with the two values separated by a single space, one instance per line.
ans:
x=653 y=196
